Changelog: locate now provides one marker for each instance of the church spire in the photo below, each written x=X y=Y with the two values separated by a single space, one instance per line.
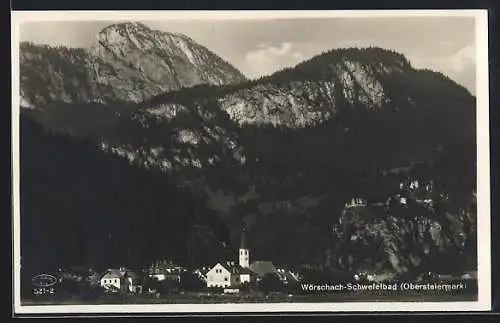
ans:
x=243 y=243
x=244 y=252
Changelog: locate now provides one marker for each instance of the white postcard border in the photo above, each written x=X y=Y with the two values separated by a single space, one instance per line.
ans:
x=483 y=161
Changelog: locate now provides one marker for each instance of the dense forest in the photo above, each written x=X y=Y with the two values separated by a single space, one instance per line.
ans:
x=81 y=206
x=88 y=120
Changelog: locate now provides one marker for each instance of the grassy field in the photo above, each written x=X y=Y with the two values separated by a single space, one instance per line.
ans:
x=468 y=292
x=413 y=296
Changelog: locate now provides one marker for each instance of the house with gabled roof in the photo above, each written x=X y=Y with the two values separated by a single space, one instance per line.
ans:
x=228 y=274
x=119 y=280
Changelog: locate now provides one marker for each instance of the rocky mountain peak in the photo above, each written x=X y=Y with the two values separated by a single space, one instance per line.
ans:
x=131 y=25
x=128 y=61
x=121 y=33
x=154 y=61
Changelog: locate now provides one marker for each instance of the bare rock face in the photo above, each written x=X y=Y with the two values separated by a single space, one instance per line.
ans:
x=401 y=238
x=178 y=138
x=127 y=62
x=306 y=102
x=299 y=103
x=137 y=62
x=307 y=94
x=55 y=74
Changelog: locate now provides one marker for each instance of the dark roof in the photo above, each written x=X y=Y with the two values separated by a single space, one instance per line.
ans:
x=235 y=268
x=246 y=271
x=111 y=273
x=117 y=273
x=262 y=267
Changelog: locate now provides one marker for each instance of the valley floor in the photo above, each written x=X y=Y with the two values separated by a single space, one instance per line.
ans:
x=282 y=298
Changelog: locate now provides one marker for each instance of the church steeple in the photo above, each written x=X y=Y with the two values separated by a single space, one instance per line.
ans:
x=243 y=243
x=244 y=252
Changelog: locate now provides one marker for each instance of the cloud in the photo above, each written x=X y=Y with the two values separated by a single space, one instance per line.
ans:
x=456 y=62
x=266 y=58
x=266 y=52
x=463 y=58
x=459 y=65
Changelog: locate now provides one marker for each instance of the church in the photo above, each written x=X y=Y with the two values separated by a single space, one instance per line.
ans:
x=231 y=275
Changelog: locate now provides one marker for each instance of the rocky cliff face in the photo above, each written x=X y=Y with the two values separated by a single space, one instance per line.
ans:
x=137 y=62
x=354 y=108
x=365 y=103
x=177 y=138
x=406 y=235
x=313 y=91
x=300 y=103
x=209 y=119
x=128 y=62
x=55 y=74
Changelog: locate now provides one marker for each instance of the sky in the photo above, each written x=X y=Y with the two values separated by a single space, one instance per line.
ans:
x=260 y=47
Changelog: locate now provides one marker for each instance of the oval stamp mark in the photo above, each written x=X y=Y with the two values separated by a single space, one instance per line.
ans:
x=44 y=280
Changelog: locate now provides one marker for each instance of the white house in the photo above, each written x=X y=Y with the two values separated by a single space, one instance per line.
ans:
x=115 y=280
x=218 y=276
x=230 y=274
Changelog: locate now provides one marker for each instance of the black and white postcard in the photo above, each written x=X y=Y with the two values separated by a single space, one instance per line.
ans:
x=257 y=162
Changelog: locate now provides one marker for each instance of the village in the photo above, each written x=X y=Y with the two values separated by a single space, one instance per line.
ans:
x=238 y=277
x=165 y=278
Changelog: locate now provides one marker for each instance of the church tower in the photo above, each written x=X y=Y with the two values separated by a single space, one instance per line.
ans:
x=244 y=252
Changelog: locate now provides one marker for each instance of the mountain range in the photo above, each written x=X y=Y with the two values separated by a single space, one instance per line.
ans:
x=282 y=155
